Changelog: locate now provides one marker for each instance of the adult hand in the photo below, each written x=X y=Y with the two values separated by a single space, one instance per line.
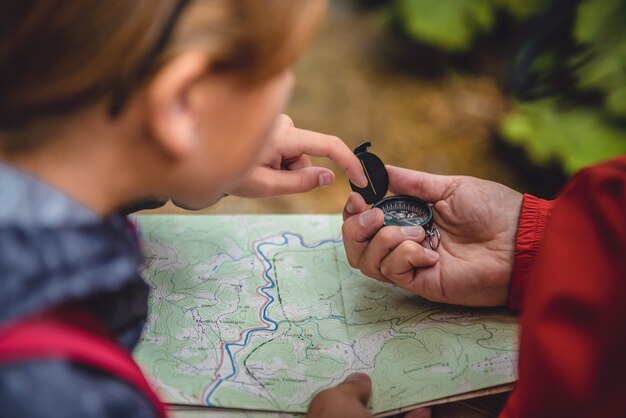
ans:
x=349 y=400
x=285 y=165
x=478 y=224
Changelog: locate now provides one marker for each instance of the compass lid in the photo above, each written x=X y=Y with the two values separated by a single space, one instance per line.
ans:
x=377 y=177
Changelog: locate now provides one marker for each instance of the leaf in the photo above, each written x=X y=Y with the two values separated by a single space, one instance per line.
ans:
x=450 y=25
x=453 y=25
x=600 y=28
x=522 y=9
x=573 y=137
x=592 y=18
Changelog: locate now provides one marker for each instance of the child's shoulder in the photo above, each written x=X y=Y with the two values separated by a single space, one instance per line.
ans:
x=67 y=390
x=54 y=250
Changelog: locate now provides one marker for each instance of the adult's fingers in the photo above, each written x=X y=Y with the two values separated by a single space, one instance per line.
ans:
x=429 y=187
x=357 y=231
x=383 y=244
x=419 y=413
x=356 y=386
x=414 y=268
x=355 y=204
x=347 y=400
x=317 y=144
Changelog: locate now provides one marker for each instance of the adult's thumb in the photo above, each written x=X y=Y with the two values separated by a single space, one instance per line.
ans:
x=357 y=386
x=348 y=399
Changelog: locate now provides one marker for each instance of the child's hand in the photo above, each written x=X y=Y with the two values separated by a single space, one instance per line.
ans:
x=478 y=223
x=285 y=166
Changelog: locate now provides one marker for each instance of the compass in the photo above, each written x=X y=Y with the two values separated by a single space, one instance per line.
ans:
x=399 y=210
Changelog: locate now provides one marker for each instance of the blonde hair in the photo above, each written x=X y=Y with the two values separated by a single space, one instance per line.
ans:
x=60 y=56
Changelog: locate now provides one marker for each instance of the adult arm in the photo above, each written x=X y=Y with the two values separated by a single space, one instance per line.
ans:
x=574 y=322
x=534 y=217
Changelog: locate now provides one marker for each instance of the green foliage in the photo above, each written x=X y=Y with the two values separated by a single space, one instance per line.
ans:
x=594 y=129
x=601 y=28
x=453 y=25
x=574 y=137
x=587 y=68
x=450 y=25
x=521 y=9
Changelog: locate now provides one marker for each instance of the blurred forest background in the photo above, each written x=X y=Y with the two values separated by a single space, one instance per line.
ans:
x=522 y=92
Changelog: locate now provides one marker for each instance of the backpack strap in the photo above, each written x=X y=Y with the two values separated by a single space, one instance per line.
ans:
x=77 y=336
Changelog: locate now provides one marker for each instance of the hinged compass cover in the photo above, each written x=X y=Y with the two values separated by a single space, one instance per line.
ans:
x=377 y=177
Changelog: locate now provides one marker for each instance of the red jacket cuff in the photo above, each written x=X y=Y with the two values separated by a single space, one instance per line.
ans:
x=532 y=223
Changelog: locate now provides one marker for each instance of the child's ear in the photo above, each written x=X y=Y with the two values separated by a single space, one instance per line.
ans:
x=170 y=118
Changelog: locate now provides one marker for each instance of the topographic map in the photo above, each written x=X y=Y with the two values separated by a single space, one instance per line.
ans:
x=261 y=312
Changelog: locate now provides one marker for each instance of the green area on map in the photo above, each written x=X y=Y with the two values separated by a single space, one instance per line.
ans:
x=262 y=312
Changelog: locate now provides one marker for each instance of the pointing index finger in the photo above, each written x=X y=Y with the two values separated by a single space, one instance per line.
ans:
x=321 y=145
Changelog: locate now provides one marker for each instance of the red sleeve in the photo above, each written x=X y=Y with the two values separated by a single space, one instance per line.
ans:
x=533 y=219
x=572 y=361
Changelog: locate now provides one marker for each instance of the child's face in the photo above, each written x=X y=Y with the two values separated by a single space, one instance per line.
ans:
x=234 y=120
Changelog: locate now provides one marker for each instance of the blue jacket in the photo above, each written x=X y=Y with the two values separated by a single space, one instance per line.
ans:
x=54 y=251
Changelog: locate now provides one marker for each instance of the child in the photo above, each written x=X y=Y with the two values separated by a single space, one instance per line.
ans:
x=105 y=103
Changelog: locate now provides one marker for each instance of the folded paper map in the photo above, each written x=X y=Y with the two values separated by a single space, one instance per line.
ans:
x=262 y=312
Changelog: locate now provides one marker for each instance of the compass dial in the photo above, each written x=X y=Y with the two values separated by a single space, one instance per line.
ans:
x=405 y=211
